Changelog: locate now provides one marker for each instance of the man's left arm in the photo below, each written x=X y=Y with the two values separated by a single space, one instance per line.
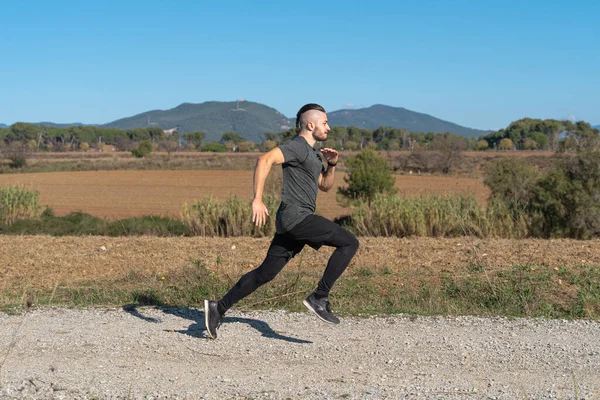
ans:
x=327 y=178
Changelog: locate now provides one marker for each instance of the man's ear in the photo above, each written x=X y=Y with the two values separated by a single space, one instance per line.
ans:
x=310 y=126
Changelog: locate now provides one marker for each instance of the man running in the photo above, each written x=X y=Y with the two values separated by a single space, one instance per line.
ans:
x=295 y=222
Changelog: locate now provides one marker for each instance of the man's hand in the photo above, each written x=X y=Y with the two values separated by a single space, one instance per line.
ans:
x=330 y=155
x=259 y=212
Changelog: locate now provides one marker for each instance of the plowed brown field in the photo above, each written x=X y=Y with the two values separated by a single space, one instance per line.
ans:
x=120 y=194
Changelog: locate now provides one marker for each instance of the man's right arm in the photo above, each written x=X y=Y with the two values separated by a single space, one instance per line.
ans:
x=261 y=172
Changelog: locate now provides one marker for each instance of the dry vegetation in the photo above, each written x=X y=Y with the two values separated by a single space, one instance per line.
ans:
x=388 y=275
x=121 y=194
x=468 y=164
x=43 y=261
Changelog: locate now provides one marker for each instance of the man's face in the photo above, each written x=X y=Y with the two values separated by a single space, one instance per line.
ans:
x=321 y=127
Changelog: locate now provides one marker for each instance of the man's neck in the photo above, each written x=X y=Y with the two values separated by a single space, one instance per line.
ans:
x=308 y=137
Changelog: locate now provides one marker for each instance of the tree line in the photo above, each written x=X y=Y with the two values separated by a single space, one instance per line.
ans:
x=538 y=134
x=524 y=134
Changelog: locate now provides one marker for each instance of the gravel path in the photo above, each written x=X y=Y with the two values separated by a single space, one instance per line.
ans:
x=150 y=353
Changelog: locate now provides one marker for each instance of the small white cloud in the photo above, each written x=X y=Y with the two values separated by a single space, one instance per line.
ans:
x=349 y=105
x=571 y=118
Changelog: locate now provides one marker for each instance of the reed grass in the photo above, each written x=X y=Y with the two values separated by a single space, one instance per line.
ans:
x=18 y=203
x=434 y=216
x=232 y=217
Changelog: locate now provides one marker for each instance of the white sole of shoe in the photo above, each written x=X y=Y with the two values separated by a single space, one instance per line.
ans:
x=206 y=318
x=307 y=304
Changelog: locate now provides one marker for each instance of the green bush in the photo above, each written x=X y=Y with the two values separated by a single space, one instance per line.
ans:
x=367 y=175
x=144 y=149
x=17 y=160
x=214 y=147
x=566 y=201
x=563 y=202
x=511 y=181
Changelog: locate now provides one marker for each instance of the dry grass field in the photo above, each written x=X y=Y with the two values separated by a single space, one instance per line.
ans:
x=42 y=262
x=126 y=193
x=459 y=276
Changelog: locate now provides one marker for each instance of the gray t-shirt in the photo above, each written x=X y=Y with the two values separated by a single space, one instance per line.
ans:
x=301 y=169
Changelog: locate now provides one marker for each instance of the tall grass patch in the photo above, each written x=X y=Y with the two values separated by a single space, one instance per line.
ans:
x=18 y=203
x=446 y=216
x=433 y=216
x=232 y=217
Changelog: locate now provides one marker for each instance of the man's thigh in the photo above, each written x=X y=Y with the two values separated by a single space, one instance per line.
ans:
x=317 y=231
x=283 y=246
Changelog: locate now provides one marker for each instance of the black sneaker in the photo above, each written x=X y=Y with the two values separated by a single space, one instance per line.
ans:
x=212 y=318
x=321 y=308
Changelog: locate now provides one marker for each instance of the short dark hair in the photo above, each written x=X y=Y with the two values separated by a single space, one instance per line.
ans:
x=305 y=108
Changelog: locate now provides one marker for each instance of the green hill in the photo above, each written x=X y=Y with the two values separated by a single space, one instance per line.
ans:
x=59 y=125
x=398 y=117
x=53 y=124
x=248 y=119
x=252 y=120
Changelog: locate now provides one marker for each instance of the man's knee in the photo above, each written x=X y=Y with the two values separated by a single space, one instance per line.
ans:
x=350 y=241
x=354 y=243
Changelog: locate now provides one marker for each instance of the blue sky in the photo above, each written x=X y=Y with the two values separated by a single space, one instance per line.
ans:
x=481 y=64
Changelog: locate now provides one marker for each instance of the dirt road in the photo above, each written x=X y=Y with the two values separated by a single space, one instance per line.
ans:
x=151 y=353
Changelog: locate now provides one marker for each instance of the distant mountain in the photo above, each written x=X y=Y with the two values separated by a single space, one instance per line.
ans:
x=247 y=119
x=397 y=117
x=55 y=125
x=597 y=126
x=252 y=120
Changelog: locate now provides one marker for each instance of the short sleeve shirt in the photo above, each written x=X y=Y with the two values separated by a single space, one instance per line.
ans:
x=302 y=167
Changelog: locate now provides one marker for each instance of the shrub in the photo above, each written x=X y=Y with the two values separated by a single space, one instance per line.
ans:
x=17 y=160
x=450 y=147
x=506 y=144
x=144 y=149
x=511 y=181
x=367 y=175
x=17 y=155
x=214 y=147
x=566 y=202
x=482 y=144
